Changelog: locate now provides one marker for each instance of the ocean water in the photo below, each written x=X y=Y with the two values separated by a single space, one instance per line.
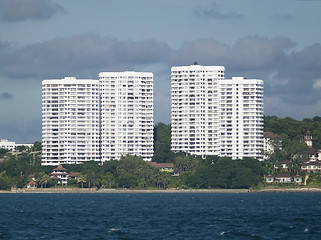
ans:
x=161 y=216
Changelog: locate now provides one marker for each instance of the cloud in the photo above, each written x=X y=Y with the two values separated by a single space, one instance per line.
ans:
x=254 y=53
x=6 y=95
x=204 y=51
x=213 y=12
x=20 y=10
x=79 y=54
x=317 y=83
x=298 y=73
x=257 y=52
x=290 y=76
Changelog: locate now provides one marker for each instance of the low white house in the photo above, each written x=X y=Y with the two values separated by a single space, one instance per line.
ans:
x=11 y=145
x=283 y=178
x=311 y=166
x=6 y=144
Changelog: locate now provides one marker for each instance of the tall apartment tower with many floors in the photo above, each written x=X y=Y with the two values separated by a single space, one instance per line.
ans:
x=195 y=115
x=127 y=114
x=70 y=121
x=241 y=118
x=212 y=115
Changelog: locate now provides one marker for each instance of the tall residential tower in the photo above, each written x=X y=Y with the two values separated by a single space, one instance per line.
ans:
x=127 y=114
x=70 y=121
x=212 y=115
x=195 y=109
x=241 y=118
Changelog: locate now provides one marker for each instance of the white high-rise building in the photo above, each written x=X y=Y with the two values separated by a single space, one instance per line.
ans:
x=127 y=114
x=241 y=118
x=70 y=121
x=195 y=113
x=216 y=116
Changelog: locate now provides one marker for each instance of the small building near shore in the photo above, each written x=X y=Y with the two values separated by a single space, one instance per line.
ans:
x=283 y=178
x=163 y=167
x=269 y=179
x=32 y=184
x=60 y=174
x=311 y=167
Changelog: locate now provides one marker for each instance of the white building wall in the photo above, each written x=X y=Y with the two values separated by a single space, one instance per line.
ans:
x=127 y=114
x=6 y=144
x=70 y=121
x=194 y=109
x=241 y=118
x=211 y=115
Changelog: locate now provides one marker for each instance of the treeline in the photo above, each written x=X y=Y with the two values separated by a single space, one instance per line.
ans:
x=17 y=169
x=132 y=172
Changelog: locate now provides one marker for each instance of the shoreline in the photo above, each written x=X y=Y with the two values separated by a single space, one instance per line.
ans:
x=94 y=190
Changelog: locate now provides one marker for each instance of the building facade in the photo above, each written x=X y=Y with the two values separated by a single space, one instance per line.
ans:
x=211 y=115
x=7 y=144
x=195 y=109
x=127 y=114
x=241 y=118
x=70 y=121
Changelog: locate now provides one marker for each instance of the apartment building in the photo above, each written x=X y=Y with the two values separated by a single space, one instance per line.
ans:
x=70 y=121
x=195 y=115
x=211 y=115
x=241 y=118
x=127 y=114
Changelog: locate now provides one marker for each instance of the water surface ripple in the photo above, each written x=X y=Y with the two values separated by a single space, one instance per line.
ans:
x=161 y=216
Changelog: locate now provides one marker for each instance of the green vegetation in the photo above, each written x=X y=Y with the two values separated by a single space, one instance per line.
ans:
x=131 y=172
x=162 y=143
x=292 y=132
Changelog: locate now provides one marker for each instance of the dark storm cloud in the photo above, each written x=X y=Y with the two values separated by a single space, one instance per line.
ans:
x=6 y=95
x=289 y=75
x=299 y=74
x=21 y=130
x=19 y=10
x=214 y=12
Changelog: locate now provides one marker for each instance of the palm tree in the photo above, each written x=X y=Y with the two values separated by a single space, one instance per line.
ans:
x=43 y=179
x=81 y=179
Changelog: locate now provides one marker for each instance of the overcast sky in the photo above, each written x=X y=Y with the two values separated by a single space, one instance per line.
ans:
x=275 y=40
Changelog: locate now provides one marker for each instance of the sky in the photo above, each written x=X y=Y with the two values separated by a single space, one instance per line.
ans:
x=278 y=41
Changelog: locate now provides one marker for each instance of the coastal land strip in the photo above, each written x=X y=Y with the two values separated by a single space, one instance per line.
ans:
x=95 y=190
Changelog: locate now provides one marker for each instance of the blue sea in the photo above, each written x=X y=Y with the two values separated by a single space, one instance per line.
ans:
x=161 y=216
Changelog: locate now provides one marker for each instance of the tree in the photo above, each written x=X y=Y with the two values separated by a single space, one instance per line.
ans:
x=186 y=163
x=81 y=180
x=5 y=181
x=226 y=173
x=21 y=148
x=162 y=143
x=44 y=179
x=3 y=152
x=107 y=180
x=37 y=146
